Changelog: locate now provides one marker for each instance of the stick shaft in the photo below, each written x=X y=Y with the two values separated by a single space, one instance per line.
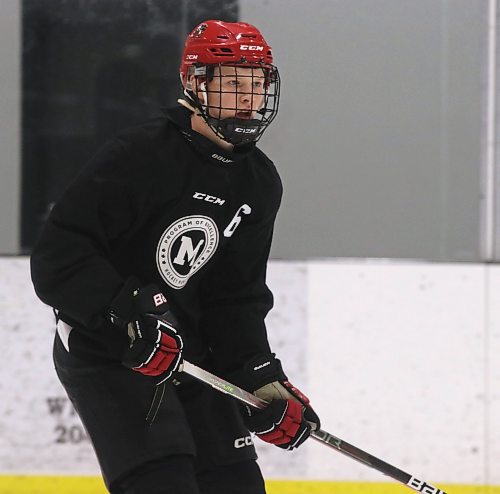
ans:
x=319 y=435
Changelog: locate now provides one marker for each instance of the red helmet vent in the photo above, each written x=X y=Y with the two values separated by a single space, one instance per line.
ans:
x=222 y=52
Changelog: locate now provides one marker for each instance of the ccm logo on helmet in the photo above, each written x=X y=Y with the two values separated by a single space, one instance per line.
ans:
x=241 y=442
x=191 y=57
x=252 y=47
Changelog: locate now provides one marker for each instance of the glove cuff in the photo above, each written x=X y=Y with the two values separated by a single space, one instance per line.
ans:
x=122 y=308
x=134 y=299
x=260 y=370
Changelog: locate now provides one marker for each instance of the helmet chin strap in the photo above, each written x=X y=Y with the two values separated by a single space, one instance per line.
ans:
x=203 y=87
x=188 y=105
x=192 y=103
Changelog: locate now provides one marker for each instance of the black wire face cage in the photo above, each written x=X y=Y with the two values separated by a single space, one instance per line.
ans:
x=237 y=101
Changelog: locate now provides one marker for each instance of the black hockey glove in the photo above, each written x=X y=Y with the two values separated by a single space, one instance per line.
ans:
x=288 y=419
x=155 y=345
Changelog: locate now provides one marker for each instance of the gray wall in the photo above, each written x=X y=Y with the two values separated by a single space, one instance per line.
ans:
x=378 y=139
x=9 y=125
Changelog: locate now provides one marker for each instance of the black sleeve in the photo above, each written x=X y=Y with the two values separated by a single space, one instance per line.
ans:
x=236 y=298
x=70 y=265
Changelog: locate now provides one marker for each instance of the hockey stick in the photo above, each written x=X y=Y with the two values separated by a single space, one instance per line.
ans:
x=320 y=435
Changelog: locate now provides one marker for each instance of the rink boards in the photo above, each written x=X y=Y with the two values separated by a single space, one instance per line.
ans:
x=398 y=358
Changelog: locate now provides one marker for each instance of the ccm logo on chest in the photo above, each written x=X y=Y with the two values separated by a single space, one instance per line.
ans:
x=205 y=197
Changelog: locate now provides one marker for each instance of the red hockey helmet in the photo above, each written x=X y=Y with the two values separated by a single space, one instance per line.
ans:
x=215 y=43
x=219 y=42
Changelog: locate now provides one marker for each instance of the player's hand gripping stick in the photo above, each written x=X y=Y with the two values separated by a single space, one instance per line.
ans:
x=319 y=435
x=288 y=418
x=154 y=343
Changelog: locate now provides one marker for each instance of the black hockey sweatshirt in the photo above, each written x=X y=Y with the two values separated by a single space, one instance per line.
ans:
x=164 y=204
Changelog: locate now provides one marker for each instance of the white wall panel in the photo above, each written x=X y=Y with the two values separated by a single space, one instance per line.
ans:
x=398 y=359
x=397 y=355
x=492 y=418
x=39 y=431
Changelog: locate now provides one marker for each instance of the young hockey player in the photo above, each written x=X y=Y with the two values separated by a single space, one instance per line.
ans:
x=158 y=252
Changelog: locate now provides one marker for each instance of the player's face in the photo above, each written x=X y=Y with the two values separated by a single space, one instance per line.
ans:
x=236 y=92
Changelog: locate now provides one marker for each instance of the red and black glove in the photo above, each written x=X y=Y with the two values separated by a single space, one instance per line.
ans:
x=288 y=419
x=155 y=345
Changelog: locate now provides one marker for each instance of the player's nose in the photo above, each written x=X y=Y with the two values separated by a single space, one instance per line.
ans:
x=245 y=96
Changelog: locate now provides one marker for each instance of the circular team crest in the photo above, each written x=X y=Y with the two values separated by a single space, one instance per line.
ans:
x=185 y=246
